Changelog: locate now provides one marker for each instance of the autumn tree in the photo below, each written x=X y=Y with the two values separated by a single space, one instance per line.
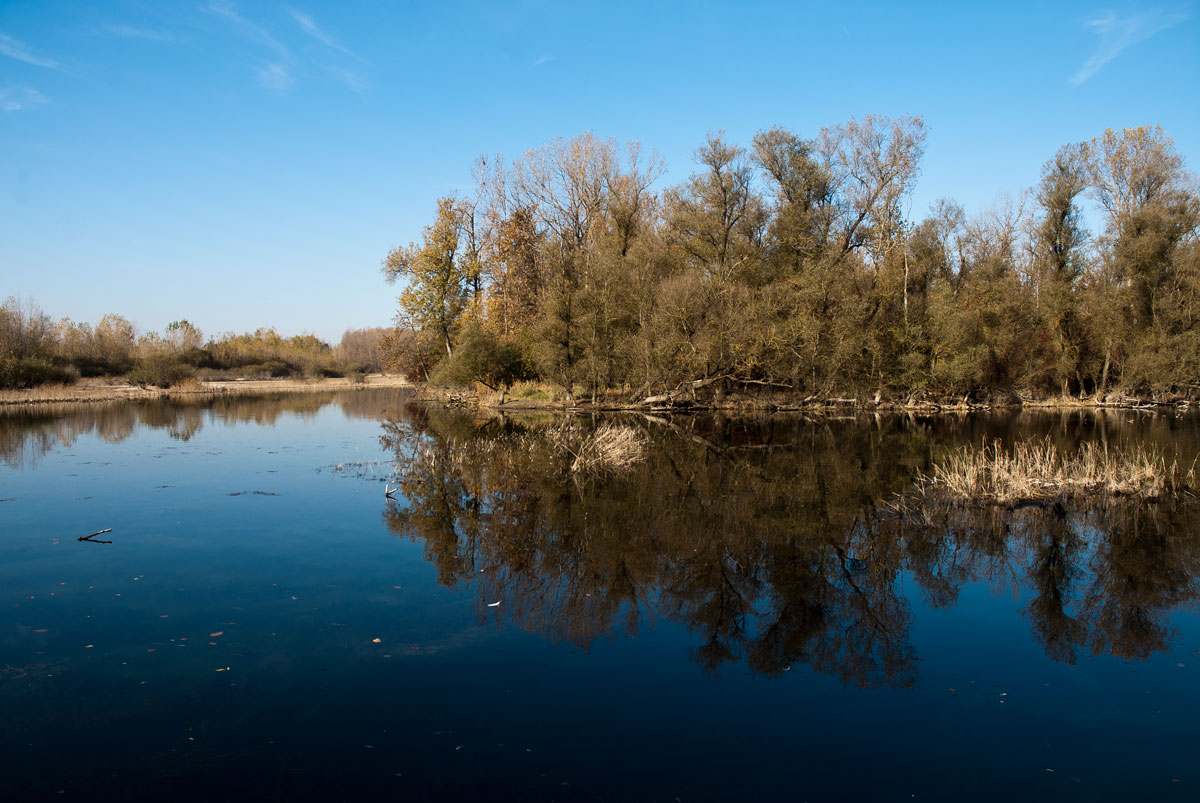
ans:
x=981 y=324
x=796 y=264
x=802 y=216
x=183 y=335
x=439 y=284
x=516 y=274
x=1152 y=207
x=841 y=327
x=1059 y=241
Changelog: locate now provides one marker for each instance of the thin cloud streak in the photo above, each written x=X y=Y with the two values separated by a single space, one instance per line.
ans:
x=310 y=27
x=16 y=50
x=1117 y=34
x=353 y=81
x=351 y=78
x=276 y=77
x=15 y=99
x=249 y=30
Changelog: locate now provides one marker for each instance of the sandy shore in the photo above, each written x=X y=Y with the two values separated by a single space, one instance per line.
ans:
x=95 y=390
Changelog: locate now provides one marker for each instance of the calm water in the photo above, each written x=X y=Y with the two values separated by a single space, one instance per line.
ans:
x=738 y=618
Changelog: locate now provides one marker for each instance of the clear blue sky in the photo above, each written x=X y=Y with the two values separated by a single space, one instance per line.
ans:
x=244 y=164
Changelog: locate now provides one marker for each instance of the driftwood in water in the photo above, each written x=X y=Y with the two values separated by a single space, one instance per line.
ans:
x=93 y=539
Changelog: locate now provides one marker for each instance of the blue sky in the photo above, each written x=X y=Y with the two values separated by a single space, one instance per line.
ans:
x=246 y=164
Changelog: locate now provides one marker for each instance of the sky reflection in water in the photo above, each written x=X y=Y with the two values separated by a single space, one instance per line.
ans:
x=738 y=617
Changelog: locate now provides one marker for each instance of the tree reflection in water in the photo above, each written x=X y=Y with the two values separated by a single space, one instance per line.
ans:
x=27 y=433
x=768 y=542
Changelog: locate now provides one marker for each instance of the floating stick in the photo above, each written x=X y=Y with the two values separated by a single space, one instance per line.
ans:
x=92 y=538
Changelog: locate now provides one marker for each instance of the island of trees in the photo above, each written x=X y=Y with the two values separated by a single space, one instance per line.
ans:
x=793 y=265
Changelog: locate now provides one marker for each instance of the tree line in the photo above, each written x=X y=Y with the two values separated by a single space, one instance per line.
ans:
x=793 y=263
x=35 y=349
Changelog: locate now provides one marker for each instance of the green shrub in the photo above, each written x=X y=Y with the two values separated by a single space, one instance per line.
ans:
x=161 y=370
x=480 y=357
x=28 y=372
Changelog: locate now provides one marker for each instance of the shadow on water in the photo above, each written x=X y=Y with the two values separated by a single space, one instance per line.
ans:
x=768 y=542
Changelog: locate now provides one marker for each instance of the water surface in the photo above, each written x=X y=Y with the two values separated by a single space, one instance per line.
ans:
x=739 y=617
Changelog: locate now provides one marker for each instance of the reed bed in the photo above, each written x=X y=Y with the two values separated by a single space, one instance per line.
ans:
x=1039 y=472
x=609 y=448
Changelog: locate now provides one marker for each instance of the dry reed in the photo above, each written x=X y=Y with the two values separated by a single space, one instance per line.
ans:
x=1038 y=472
x=607 y=449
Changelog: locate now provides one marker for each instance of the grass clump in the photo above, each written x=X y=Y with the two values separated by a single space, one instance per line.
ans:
x=534 y=390
x=610 y=448
x=1039 y=472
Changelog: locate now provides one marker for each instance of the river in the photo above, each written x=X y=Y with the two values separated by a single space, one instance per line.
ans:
x=743 y=615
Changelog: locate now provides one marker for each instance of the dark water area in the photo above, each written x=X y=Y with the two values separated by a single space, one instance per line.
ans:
x=741 y=616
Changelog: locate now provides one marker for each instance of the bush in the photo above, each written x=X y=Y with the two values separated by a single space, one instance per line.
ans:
x=161 y=370
x=276 y=368
x=28 y=372
x=324 y=372
x=410 y=355
x=480 y=357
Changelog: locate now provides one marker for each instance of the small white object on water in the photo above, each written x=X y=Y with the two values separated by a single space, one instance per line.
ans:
x=494 y=604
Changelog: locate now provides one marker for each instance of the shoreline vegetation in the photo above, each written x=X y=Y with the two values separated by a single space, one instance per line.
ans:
x=89 y=391
x=536 y=396
x=544 y=397
x=43 y=358
x=795 y=264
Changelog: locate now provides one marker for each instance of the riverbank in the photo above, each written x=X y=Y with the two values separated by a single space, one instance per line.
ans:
x=550 y=399
x=103 y=390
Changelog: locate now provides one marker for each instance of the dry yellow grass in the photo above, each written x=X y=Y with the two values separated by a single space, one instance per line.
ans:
x=100 y=390
x=609 y=448
x=612 y=447
x=82 y=391
x=1033 y=472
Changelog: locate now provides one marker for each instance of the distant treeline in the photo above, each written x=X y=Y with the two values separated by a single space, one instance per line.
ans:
x=793 y=264
x=34 y=349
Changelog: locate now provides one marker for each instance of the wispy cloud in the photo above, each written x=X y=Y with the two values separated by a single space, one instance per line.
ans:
x=353 y=80
x=247 y=29
x=1118 y=33
x=347 y=75
x=16 y=50
x=14 y=99
x=543 y=60
x=275 y=76
x=305 y=21
x=130 y=32
x=279 y=72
